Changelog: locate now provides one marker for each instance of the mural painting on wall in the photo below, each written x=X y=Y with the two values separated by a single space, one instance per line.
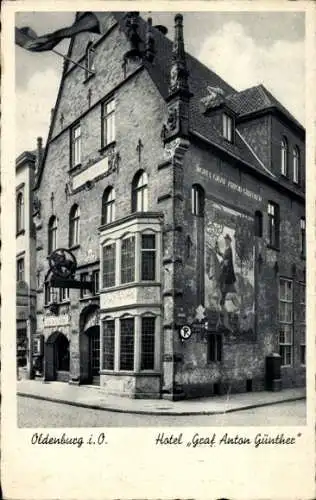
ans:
x=229 y=269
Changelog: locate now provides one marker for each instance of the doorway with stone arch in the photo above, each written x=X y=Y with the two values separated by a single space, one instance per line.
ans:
x=90 y=345
x=57 y=357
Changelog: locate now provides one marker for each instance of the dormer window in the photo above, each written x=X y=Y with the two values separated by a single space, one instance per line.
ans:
x=228 y=126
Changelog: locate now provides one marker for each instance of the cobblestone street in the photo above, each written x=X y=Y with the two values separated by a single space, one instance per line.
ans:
x=36 y=413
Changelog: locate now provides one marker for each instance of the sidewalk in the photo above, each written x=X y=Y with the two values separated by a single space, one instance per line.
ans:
x=93 y=397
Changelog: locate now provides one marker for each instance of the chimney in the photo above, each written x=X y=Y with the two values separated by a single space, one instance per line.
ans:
x=162 y=29
x=39 y=152
x=150 y=42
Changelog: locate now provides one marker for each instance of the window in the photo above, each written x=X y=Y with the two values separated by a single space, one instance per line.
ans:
x=214 y=348
x=148 y=257
x=286 y=321
x=108 y=265
x=76 y=145
x=148 y=344
x=258 y=224
x=296 y=165
x=20 y=269
x=127 y=344
x=284 y=157
x=128 y=260
x=302 y=236
x=273 y=224
x=302 y=323
x=95 y=279
x=83 y=291
x=19 y=212
x=74 y=226
x=52 y=234
x=108 y=344
x=89 y=60
x=197 y=200
x=140 y=192
x=64 y=294
x=108 y=206
x=108 y=123
x=228 y=127
x=51 y=295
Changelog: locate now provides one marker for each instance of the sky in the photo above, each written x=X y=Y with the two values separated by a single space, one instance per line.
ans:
x=244 y=48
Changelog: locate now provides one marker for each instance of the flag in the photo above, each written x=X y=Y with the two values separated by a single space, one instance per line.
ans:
x=27 y=38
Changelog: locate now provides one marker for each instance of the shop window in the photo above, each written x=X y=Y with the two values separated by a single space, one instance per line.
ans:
x=108 y=123
x=228 y=127
x=108 y=344
x=20 y=270
x=75 y=145
x=127 y=344
x=286 y=321
x=148 y=343
x=296 y=165
x=148 y=257
x=108 y=259
x=214 y=348
x=108 y=206
x=128 y=260
x=302 y=236
x=302 y=323
x=197 y=200
x=140 y=192
x=284 y=157
x=74 y=226
x=19 y=212
x=52 y=234
x=258 y=224
x=273 y=224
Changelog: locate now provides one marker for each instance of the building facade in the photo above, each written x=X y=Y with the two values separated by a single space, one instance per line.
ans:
x=183 y=202
x=25 y=168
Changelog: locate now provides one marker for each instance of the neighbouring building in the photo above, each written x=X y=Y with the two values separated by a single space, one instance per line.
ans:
x=183 y=201
x=25 y=169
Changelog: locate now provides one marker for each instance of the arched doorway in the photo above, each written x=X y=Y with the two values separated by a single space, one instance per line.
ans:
x=93 y=334
x=57 y=357
x=90 y=345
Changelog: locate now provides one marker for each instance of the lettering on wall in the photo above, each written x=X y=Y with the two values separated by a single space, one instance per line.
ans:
x=229 y=184
x=55 y=321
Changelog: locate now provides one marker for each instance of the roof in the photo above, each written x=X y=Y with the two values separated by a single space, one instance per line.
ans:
x=200 y=77
x=257 y=99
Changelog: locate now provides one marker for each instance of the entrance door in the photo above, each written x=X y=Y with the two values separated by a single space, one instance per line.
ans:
x=94 y=345
x=62 y=358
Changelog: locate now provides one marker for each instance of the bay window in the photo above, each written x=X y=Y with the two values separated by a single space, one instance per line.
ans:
x=148 y=257
x=128 y=260
x=127 y=344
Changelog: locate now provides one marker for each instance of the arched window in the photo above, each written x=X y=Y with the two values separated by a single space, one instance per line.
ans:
x=197 y=200
x=52 y=234
x=89 y=60
x=296 y=165
x=19 y=212
x=258 y=224
x=108 y=206
x=284 y=157
x=74 y=226
x=140 y=192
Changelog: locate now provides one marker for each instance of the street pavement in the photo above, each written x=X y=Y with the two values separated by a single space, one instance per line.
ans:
x=39 y=413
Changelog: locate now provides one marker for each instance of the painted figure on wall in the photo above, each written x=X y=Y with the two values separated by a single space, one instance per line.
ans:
x=229 y=269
